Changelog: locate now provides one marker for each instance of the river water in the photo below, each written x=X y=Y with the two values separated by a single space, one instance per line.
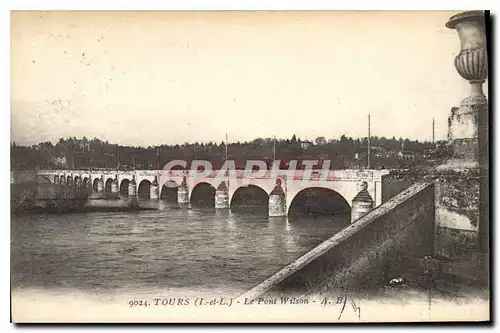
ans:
x=167 y=249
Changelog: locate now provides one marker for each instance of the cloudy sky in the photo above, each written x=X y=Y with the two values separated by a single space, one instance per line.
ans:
x=146 y=78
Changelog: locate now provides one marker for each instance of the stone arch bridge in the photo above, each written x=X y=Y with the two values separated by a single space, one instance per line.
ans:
x=280 y=187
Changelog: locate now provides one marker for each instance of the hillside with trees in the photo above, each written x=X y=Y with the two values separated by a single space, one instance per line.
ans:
x=344 y=152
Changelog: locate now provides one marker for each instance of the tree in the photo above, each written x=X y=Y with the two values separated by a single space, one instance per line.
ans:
x=350 y=142
x=258 y=141
x=294 y=139
x=320 y=140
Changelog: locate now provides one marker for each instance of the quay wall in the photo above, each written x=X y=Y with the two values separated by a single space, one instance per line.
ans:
x=457 y=202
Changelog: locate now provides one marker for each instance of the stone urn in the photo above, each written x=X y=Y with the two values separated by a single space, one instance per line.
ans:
x=472 y=61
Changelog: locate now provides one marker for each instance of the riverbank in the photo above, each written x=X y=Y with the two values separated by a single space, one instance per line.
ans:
x=85 y=209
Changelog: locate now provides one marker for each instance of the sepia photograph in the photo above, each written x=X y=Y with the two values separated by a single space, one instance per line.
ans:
x=249 y=166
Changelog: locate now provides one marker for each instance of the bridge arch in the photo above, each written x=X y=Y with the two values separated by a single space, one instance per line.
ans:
x=144 y=188
x=203 y=194
x=124 y=186
x=62 y=179
x=95 y=184
x=107 y=186
x=56 y=179
x=85 y=182
x=318 y=201
x=251 y=197
x=169 y=191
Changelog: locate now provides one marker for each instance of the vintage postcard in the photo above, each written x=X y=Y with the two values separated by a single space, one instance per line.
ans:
x=249 y=166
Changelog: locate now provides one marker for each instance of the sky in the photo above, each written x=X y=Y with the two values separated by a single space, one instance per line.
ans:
x=148 y=78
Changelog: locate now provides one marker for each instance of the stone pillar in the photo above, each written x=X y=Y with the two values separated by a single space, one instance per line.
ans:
x=472 y=64
x=115 y=190
x=468 y=123
x=132 y=193
x=183 y=192
x=222 y=196
x=154 y=191
x=362 y=203
x=277 y=201
x=100 y=185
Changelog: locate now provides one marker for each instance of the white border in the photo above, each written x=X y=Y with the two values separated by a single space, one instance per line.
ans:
x=6 y=6
x=459 y=5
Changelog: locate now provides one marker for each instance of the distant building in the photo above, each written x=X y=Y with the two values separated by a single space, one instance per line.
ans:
x=382 y=152
x=306 y=144
x=406 y=155
x=360 y=155
x=60 y=161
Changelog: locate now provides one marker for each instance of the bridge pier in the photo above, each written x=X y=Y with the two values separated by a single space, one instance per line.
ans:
x=115 y=190
x=154 y=190
x=277 y=201
x=78 y=182
x=132 y=193
x=222 y=197
x=183 y=192
x=362 y=203
x=182 y=195
x=100 y=185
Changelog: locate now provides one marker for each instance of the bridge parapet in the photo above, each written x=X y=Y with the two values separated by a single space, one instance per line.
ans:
x=333 y=175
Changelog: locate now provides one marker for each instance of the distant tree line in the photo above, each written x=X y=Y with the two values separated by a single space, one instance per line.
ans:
x=93 y=153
